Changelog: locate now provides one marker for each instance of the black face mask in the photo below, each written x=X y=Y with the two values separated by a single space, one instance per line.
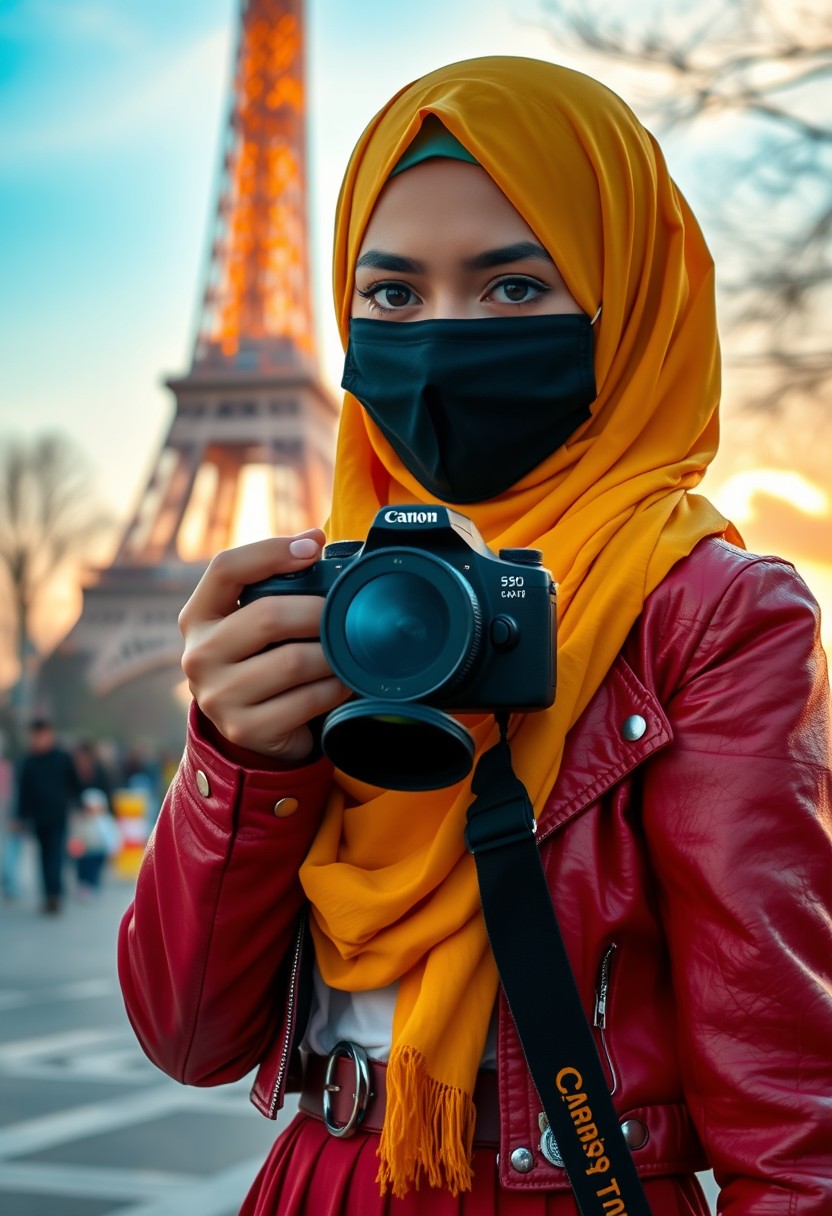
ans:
x=470 y=407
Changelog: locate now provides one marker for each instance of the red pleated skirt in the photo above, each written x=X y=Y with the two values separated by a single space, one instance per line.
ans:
x=311 y=1173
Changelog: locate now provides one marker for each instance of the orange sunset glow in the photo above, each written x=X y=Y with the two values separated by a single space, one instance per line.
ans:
x=783 y=512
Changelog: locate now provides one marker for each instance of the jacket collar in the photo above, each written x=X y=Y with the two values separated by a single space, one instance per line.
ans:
x=622 y=725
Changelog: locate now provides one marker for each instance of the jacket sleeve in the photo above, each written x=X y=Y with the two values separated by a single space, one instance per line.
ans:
x=217 y=897
x=738 y=823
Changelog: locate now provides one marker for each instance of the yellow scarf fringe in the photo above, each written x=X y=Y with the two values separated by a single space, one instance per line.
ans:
x=428 y=1129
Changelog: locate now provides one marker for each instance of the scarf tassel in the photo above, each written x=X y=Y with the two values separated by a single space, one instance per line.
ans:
x=428 y=1131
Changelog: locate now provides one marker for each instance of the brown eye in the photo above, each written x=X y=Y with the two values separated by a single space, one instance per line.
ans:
x=388 y=297
x=516 y=291
x=395 y=296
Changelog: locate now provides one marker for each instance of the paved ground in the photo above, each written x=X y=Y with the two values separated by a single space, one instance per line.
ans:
x=88 y=1126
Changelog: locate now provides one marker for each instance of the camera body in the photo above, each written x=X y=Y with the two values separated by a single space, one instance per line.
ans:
x=424 y=611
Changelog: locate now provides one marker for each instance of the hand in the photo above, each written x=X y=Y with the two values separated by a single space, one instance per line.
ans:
x=259 y=698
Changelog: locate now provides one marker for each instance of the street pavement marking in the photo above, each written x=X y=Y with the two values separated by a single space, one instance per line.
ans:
x=130 y=1071
x=92 y=1182
x=79 y=990
x=219 y=1195
x=108 y=1065
x=82 y=1056
x=78 y=1055
x=119 y=1090
x=56 y=1044
x=81 y=1122
x=14 y=1000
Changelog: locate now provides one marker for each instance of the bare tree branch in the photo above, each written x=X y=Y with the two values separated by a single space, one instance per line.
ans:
x=49 y=517
x=768 y=68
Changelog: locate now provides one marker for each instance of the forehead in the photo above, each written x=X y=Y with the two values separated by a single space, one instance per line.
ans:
x=443 y=200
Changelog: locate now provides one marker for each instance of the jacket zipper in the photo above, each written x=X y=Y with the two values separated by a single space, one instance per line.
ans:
x=602 y=996
x=290 y=1017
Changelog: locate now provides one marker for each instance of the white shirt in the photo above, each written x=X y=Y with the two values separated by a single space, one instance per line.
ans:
x=365 y=1018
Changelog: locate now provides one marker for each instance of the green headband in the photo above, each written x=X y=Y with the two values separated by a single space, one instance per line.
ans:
x=432 y=139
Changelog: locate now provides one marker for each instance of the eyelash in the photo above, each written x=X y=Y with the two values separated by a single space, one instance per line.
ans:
x=521 y=280
x=370 y=292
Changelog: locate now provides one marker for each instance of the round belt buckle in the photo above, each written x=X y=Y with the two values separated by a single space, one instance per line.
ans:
x=361 y=1093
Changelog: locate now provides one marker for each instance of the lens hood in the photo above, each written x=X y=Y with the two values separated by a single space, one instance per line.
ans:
x=397 y=746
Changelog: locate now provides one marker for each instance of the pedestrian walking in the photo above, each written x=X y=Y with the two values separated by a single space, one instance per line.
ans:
x=48 y=785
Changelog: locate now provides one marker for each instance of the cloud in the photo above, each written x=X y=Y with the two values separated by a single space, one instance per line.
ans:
x=739 y=493
x=115 y=111
x=780 y=511
x=782 y=528
x=91 y=21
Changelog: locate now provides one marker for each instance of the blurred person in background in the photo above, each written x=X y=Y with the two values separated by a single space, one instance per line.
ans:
x=93 y=838
x=11 y=839
x=142 y=772
x=48 y=786
x=92 y=771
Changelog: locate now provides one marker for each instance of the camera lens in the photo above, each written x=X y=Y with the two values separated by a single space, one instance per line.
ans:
x=399 y=747
x=401 y=624
x=396 y=625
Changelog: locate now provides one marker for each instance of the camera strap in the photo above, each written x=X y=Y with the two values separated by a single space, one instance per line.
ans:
x=541 y=991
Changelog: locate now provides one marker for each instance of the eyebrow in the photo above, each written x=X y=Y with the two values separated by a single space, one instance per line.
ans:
x=380 y=259
x=507 y=253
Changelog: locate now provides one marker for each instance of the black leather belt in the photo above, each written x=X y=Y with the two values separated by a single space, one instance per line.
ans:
x=348 y=1091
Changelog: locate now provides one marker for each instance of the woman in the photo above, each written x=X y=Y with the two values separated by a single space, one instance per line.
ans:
x=521 y=217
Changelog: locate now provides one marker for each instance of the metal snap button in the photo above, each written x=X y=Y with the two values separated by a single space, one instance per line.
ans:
x=522 y=1160
x=635 y=1133
x=285 y=807
x=202 y=783
x=633 y=727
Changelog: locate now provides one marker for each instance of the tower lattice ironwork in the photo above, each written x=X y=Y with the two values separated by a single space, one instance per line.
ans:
x=257 y=308
x=253 y=423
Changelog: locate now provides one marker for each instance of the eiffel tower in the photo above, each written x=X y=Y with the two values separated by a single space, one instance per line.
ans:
x=252 y=416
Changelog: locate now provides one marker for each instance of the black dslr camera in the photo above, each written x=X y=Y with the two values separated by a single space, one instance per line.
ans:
x=424 y=615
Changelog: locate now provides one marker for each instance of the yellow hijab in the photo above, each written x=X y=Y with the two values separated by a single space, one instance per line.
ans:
x=393 y=891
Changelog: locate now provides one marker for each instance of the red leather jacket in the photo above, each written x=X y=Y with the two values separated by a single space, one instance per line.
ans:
x=688 y=844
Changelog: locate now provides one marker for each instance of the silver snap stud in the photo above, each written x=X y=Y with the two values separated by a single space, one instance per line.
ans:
x=522 y=1160
x=202 y=783
x=285 y=807
x=633 y=727
x=635 y=1133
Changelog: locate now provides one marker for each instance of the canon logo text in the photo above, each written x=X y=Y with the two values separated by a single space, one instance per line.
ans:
x=410 y=517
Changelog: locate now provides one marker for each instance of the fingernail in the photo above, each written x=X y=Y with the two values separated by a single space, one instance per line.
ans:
x=304 y=546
